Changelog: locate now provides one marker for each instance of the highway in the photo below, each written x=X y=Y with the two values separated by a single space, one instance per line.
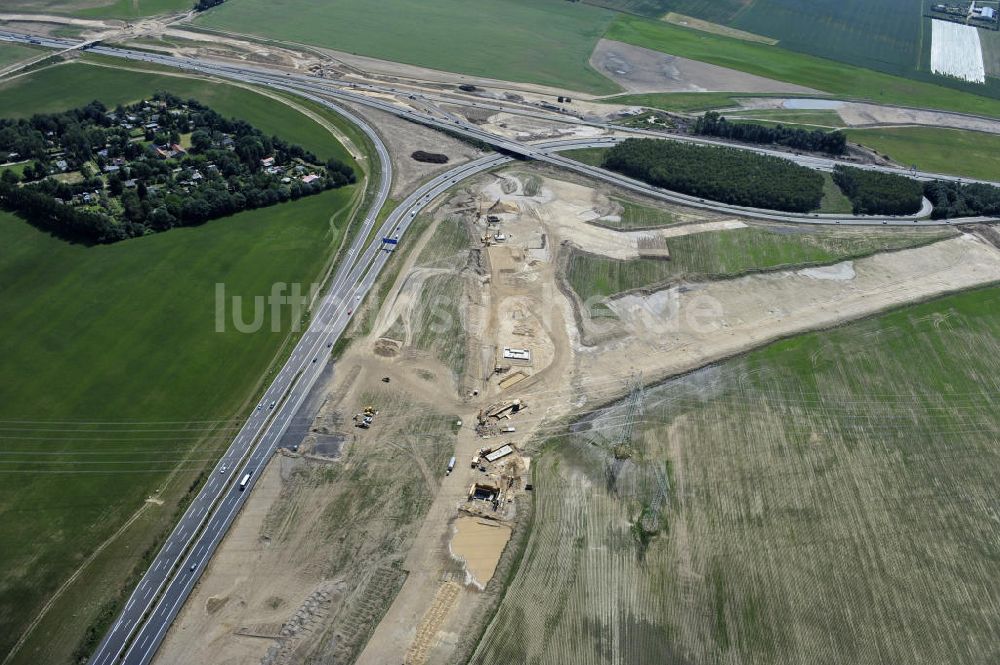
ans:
x=212 y=511
x=141 y=626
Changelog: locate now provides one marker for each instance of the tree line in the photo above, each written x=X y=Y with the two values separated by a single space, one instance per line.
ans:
x=75 y=131
x=202 y=5
x=952 y=199
x=76 y=224
x=815 y=140
x=728 y=175
x=876 y=193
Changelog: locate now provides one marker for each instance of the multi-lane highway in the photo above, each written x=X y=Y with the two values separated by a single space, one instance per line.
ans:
x=206 y=520
x=140 y=628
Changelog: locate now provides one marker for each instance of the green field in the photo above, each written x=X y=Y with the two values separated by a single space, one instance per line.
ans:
x=845 y=81
x=834 y=200
x=637 y=216
x=990 y=40
x=724 y=254
x=965 y=153
x=114 y=384
x=810 y=119
x=120 y=9
x=719 y=11
x=825 y=499
x=683 y=102
x=591 y=156
x=11 y=53
x=448 y=246
x=534 y=41
x=886 y=35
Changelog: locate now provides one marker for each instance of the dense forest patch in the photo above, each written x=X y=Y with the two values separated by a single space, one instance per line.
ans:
x=722 y=174
x=815 y=140
x=951 y=199
x=874 y=193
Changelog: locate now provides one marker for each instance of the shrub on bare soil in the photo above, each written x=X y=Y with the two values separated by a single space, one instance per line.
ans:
x=430 y=157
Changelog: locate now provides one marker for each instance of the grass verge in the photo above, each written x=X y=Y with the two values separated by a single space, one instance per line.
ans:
x=954 y=151
x=727 y=254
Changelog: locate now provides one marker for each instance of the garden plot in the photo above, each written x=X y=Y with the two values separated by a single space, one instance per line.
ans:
x=956 y=51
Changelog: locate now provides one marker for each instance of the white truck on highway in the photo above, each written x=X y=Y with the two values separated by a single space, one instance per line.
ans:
x=244 y=480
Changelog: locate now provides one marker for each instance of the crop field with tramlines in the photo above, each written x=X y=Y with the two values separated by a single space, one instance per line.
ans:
x=720 y=11
x=825 y=499
x=885 y=35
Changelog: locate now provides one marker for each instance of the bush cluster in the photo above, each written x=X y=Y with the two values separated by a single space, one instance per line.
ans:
x=816 y=140
x=202 y=5
x=728 y=175
x=429 y=157
x=875 y=193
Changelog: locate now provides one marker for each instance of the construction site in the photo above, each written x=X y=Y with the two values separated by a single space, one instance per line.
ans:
x=405 y=534
x=557 y=431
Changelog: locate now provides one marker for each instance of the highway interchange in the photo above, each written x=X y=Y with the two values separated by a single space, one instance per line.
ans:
x=140 y=628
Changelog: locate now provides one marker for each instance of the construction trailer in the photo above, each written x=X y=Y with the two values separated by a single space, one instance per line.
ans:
x=499 y=453
x=511 y=353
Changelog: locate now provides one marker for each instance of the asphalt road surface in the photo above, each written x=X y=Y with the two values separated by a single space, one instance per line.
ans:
x=139 y=629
